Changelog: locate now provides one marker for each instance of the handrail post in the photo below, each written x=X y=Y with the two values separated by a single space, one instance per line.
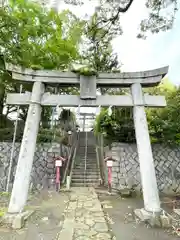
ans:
x=85 y=166
x=72 y=166
x=72 y=156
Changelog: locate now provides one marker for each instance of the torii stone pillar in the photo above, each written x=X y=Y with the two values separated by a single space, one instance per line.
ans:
x=26 y=155
x=147 y=171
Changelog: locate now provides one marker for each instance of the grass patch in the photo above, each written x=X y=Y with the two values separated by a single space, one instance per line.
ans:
x=5 y=194
x=2 y=211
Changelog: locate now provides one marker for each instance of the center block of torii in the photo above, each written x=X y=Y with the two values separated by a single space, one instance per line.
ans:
x=88 y=87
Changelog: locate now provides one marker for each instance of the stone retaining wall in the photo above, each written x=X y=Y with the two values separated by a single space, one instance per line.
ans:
x=166 y=161
x=43 y=171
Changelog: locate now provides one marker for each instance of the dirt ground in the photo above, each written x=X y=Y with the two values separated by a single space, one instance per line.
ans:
x=45 y=223
x=119 y=213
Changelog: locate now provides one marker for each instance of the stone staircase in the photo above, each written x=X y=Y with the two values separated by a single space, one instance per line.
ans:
x=91 y=176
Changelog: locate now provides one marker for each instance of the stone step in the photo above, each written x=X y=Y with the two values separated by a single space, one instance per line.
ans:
x=89 y=170
x=90 y=155
x=89 y=149
x=83 y=167
x=77 y=177
x=87 y=167
x=87 y=164
x=81 y=172
x=87 y=181
x=82 y=150
x=89 y=146
x=88 y=161
x=84 y=184
x=93 y=157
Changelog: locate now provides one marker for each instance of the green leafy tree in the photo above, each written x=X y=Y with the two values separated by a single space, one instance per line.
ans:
x=33 y=37
x=118 y=127
x=98 y=49
x=164 y=124
x=160 y=14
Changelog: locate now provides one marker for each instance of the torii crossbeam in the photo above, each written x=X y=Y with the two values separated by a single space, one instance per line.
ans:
x=87 y=97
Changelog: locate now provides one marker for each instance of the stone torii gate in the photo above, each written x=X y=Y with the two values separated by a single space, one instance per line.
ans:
x=88 y=97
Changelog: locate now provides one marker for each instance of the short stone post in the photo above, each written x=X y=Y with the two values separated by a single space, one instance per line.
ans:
x=22 y=179
x=147 y=171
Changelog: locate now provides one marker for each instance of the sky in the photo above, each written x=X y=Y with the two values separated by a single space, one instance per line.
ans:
x=156 y=51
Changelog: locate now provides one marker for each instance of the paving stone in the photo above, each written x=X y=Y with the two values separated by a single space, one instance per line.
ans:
x=80 y=204
x=101 y=227
x=98 y=214
x=88 y=204
x=80 y=219
x=90 y=222
x=72 y=205
x=82 y=238
x=103 y=236
x=80 y=225
x=99 y=219
x=87 y=233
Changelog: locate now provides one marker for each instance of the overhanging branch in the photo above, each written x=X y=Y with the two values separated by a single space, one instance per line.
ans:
x=121 y=10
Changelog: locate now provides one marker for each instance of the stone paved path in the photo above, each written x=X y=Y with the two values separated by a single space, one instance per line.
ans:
x=84 y=217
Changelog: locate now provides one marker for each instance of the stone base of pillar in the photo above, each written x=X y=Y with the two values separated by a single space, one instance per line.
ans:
x=16 y=221
x=154 y=219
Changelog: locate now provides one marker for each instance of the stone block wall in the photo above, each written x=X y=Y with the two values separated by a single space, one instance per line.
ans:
x=43 y=171
x=126 y=170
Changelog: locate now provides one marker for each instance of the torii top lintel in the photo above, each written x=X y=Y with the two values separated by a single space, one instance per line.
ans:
x=124 y=79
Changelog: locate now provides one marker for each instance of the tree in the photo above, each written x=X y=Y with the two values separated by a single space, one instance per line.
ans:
x=164 y=124
x=98 y=49
x=161 y=14
x=118 y=127
x=32 y=36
